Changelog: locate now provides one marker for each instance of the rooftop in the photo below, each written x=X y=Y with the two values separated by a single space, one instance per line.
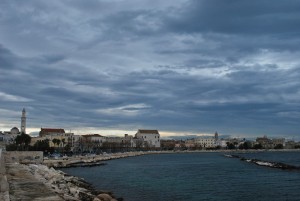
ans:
x=52 y=130
x=148 y=131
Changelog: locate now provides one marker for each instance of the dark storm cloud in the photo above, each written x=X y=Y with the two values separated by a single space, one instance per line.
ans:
x=187 y=66
x=6 y=58
x=238 y=17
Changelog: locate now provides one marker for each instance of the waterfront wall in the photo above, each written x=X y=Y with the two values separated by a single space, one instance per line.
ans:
x=25 y=157
x=3 y=180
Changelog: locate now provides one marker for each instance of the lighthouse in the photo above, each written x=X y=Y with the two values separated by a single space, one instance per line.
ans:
x=23 y=121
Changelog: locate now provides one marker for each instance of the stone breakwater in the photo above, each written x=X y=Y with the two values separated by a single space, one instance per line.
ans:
x=42 y=182
x=70 y=187
x=270 y=164
x=66 y=186
x=76 y=161
x=39 y=182
x=97 y=159
x=88 y=160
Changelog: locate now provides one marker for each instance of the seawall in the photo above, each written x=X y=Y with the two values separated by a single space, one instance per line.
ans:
x=4 y=187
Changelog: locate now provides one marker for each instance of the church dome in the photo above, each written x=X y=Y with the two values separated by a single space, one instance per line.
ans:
x=14 y=131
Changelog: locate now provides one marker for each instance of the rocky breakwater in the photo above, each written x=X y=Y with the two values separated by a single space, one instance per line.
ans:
x=87 y=160
x=270 y=164
x=68 y=187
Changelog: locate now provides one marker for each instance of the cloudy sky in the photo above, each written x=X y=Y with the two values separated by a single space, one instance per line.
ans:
x=183 y=67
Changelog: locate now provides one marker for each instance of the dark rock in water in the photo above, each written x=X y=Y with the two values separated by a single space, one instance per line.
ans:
x=104 y=197
x=278 y=165
x=83 y=164
x=231 y=156
x=86 y=196
x=269 y=164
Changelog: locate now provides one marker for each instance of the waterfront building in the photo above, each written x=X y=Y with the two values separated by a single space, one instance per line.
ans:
x=62 y=138
x=167 y=144
x=278 y=141
x=130 y=141
x=268 y=143
x=91 y=142
x=222 y=143
x=51 y=131
x=6 y=139
x=190 y=144
x=291 y=144
x=265 y=142
x=76 y=143
x=208 y=141
x=23 y=121
x=94 y=138
x=151 y=138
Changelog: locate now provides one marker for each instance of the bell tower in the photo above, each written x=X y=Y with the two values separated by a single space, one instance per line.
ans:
x=216 y=136
x=23 y=121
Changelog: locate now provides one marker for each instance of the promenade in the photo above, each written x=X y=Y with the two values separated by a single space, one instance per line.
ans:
x=17 y=183
x=24 y=186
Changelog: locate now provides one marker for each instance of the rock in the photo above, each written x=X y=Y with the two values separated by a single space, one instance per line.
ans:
x=96 y=199
x=3 y=184
x=73 y=190
x=104 y=197
x=69 y=198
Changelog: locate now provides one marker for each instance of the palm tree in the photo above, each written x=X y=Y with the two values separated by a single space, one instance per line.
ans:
x=56 y=141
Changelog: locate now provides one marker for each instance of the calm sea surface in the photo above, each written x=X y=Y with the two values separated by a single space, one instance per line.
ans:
x=195 y=176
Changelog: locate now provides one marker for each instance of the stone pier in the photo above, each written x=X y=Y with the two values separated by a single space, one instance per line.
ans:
x=24 y=186
x=17 y=183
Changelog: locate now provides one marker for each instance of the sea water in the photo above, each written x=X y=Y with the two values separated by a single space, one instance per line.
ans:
x=195 y=176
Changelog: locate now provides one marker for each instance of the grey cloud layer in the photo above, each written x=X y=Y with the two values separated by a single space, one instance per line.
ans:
x=188 y=66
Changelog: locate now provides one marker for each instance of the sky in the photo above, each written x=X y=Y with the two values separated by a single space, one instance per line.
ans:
x=182 y=67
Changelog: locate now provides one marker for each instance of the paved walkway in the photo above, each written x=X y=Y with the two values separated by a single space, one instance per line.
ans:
x=24 y=186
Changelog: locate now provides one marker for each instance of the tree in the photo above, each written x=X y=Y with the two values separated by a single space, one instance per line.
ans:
x=245 y=145
x=230 y=145
x=258 y=146
x=138 y=144
x=56 y=141
x=23 y=141
x=241 y=146
x=278 y=146
x=67 y=148
x=42 y=145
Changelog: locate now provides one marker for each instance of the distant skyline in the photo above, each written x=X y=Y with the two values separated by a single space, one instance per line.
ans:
x=182 y=67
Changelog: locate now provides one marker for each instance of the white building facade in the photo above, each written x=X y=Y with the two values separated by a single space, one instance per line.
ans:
x=206 y=142
x=150 y=137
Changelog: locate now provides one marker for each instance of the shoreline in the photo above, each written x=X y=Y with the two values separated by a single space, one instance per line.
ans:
x=72 y=188
x=81 y=161
x=132 y=154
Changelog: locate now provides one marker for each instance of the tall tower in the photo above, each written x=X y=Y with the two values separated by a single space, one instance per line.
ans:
x=216 y=136
x=23 y=121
